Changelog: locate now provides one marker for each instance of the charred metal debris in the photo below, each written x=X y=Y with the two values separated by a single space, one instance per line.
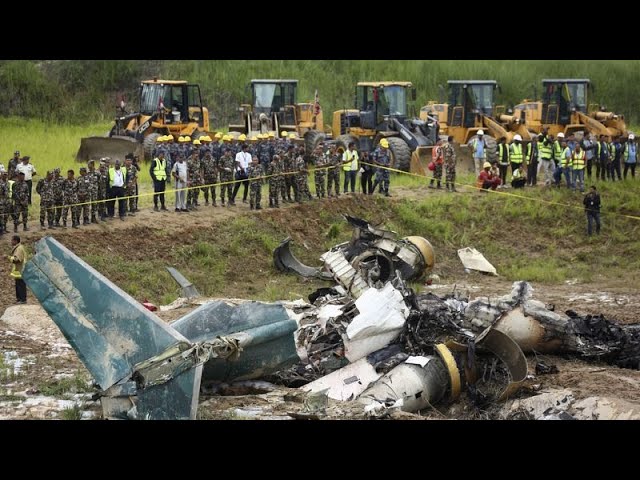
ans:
x=368 y=338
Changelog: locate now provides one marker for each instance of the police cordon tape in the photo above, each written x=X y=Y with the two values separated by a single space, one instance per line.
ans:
x=282 y=174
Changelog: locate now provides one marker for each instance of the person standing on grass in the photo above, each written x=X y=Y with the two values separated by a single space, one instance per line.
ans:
x=17 y=259
x=591 y=204
x=382 y=159
x=29 y=171
x=180 y=173
x=20 y=203
x=437 y=156
x=630 y=156
x=13 y=163
x=503 y=158
x=334 y=160
x=255 y=174
x=158 y=172
x=531 y=159
x=350 y=166
x=578 y=164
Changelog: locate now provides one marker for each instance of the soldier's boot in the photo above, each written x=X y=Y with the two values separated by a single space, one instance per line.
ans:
x=277 y=205
x=24 y=227
x=85 y=221
x=373 y=189
x=439 y=186
x=206 y=197
x=94 y=219
x=431 y=183
x=214 y=202
x=271 y=203
x=51 y=225
x=42 y=227
x=64 y=224
x=15 y=228
x=453 y=188
x=386 y=192
x=222 y=201
x=258 y=207
x=251 y=206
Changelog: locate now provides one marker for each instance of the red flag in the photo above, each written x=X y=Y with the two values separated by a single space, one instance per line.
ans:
x=316 y=104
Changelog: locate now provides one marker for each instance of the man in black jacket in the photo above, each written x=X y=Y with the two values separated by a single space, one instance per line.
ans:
x=592 y=207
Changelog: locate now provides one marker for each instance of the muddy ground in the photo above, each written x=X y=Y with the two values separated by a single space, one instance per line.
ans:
x=41 y=376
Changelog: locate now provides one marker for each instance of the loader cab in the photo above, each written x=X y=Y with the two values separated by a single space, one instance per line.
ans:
x=182 y=102
x=377 y=102
x=468 y=99
x=561 y=97
x=275 y=97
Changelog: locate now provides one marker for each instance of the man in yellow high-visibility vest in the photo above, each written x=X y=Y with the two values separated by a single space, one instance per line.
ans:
x=18 y=258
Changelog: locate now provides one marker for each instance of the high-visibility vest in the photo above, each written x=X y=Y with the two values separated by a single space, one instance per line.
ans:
x=112 y=175
x=578 y=160
x=516 y=153
x=353 y=158
x=529 y=150
x=545 y=151
x=626 y=152
x=557 y=151
x=564 y=160
x=16 y=272
x=501 y=147
x=160 y=170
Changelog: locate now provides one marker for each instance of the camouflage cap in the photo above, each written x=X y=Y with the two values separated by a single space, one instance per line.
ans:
x=83 y=169
x=56 y=170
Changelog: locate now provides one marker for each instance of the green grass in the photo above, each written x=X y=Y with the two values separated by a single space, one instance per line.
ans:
x=73 y=413
x=65 y=385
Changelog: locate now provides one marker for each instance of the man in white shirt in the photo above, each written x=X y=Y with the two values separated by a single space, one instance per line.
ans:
x=243 y=160
x=117 y=176
x=180 y=173
x=29 y=171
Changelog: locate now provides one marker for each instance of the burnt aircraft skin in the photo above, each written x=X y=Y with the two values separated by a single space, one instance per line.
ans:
x=376 y=254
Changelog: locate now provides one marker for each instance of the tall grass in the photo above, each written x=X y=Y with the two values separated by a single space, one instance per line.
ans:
x=72 y=91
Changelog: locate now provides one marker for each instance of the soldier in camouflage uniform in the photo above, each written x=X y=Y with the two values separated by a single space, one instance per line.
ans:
x=290 y=169
x=94 y=179
x=274 y=171
x=382 y=159
x=320 y=173
x=130 y=185
x=4 y=201
x=210 y=174
x=255 y=175
x=84 y=185
x=334 y=161
x=103 y=182
x=13 y=163
x=438 y=159
x=301 y=177
x=58 y=194
x=450 y=164
x=195 y=179
x=20 y=202
x=227 y=166
x=44 y=188
x=70 y=199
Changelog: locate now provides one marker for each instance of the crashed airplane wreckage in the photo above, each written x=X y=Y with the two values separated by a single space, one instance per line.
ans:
x=383 y=347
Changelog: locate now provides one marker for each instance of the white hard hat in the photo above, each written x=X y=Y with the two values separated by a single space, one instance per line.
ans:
x=480 y=132
x=561 y=135
x=631 y=136
x=517 y=137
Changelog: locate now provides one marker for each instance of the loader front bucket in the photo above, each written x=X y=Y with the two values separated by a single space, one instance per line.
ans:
x=94 y=148
x=420 y=159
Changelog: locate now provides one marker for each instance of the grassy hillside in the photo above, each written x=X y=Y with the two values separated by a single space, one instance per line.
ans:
x=75 y=91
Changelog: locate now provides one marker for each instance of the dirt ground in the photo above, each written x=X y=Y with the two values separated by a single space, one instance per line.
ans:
x=35 y=358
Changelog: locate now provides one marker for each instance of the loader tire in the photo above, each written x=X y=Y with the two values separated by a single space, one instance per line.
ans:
x=149 y=144
x=343 y=141
x=311 y=140
x=400 y=154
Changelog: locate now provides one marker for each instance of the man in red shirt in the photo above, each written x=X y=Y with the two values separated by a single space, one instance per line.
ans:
x=487 y=179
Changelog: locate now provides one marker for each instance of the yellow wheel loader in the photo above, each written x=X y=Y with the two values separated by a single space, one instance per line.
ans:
x=382 y=111
x=565 y=108
x=167 y=107
x=471 y=108
x=274 y=108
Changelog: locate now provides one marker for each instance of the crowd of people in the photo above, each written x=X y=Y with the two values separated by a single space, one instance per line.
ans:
x=555 y=158
x=203 y=164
